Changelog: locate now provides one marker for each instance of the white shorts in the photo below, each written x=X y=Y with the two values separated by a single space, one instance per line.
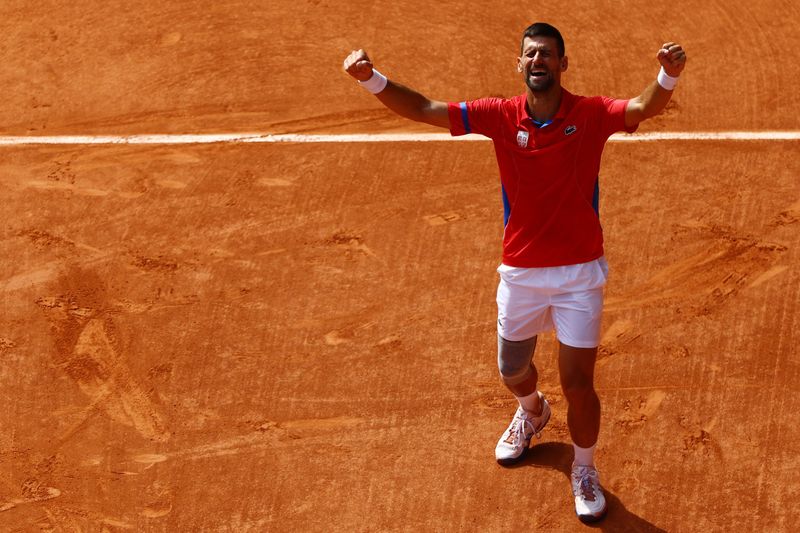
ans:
x=568 y=299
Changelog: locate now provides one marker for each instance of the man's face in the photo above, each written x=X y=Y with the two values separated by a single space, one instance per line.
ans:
x=540 y=65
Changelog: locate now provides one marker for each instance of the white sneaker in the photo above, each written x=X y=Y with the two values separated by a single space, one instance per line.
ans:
x=590 y=503
x=516 y=439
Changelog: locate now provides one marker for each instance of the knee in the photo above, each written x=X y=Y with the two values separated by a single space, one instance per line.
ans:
x=578 y=388
x=514 y=360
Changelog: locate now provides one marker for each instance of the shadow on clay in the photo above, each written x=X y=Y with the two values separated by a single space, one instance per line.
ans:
x=558 y=456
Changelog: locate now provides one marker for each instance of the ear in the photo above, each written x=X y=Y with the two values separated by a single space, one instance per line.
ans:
x=519 y=64
x=564 y=63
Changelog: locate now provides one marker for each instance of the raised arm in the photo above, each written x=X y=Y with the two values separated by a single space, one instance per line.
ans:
x=656 y=96
x=400 y=99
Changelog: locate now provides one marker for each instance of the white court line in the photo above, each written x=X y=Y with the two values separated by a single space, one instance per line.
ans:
x=791 y=135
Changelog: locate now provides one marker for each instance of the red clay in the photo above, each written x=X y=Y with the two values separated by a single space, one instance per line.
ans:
x=276 y=337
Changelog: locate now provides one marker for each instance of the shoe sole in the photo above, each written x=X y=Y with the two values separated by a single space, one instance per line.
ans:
x=592 y=519
x=509 y=461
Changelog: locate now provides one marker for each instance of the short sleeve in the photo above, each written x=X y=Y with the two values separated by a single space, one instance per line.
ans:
x=613 y=116
x=483 y=116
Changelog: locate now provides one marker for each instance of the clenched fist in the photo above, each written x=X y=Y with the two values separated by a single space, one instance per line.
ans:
x=672 y=58
x=359 y=65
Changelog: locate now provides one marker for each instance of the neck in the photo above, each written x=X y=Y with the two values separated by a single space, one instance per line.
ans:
x=543 y=106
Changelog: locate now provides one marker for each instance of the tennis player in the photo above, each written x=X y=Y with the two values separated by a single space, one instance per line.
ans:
x=548 y=144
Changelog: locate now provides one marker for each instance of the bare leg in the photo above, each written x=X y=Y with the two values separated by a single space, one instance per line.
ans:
x=576 y=369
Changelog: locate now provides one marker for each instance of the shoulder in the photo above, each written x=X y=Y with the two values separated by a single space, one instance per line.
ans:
x=587 y=101
x=493 y=102
x=491 y=107
x=599 y=103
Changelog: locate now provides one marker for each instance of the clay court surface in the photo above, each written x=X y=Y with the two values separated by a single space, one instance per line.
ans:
x=301 y=337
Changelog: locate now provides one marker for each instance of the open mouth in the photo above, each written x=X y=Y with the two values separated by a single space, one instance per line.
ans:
x=538 y=74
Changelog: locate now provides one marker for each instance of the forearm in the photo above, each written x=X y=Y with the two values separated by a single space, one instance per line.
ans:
x=652 y=101
x=657 y=95
x=407 y=103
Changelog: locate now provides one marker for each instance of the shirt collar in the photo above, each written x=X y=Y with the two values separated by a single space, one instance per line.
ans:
x=523 y=119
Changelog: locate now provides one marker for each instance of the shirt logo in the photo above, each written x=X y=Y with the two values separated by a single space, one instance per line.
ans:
x=522 y=138
x=569 y=130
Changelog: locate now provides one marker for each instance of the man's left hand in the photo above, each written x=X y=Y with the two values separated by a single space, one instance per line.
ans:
x=672 y=58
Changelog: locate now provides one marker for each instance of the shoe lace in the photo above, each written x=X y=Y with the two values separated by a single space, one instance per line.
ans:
x=517 y=431
x=585 y=484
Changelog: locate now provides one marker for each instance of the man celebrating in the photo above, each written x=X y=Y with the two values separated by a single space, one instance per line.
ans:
x=548 y=144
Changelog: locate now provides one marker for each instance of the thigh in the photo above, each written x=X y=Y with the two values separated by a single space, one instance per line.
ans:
x=577 y=317
x=578 y=307
x=523 y=311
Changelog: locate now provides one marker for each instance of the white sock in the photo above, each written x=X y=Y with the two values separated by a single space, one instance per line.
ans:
x=531 y=403
x=584 y=456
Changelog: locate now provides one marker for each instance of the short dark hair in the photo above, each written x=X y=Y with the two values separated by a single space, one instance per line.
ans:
x=543 y=29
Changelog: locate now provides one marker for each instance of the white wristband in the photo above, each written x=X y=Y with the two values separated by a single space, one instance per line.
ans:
x=376 y=83
x=666 y=81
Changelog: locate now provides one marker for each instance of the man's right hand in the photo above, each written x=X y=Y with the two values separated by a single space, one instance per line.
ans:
x=359 y=65
x=405 y=102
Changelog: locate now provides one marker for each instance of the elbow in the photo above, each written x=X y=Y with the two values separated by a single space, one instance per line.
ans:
x=650 y=113
x=424 y=113
x=415 y=113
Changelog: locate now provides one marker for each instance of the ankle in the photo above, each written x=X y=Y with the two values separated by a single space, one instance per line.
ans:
x=584 y=456
x=532 y=403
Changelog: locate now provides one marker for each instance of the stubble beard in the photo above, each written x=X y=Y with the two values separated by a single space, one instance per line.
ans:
x=539 y=85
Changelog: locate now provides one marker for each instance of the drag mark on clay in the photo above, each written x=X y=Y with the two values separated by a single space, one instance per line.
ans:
x=618 y=335
x=63 y=518
x=62 y=186
x=334 y=338
x=31 y=277
x=442 y=218
x=88 y=350
x=45 y=239
x=232 y=446
x=708 y=278
x=346 y=334
x=63 y=178
x=266 y=436
x=116 y=523
x=318 y=424
x=150 y=458
x=101 y=373
x=157 y=509
x=274 y=182
x=32 y=492
x=155 y=264
x=171 y=184
x=171 y=38
x=769 y=274
x=790 y=215
x=389 y=341
x=48 y=271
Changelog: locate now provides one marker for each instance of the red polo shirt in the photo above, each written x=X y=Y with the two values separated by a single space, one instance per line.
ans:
x=549 y=174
